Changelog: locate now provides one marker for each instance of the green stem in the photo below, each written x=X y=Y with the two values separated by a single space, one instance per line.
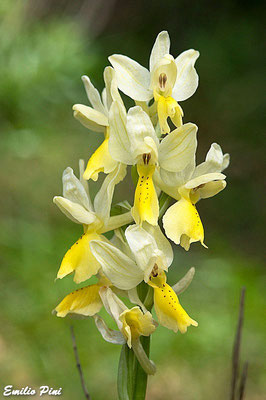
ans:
x=132 y=379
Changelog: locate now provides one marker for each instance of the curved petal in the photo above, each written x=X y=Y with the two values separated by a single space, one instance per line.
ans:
x=160 y=48
x=109 y=335
x=139 y=127
x=100 y=161
x=74 y=211
x=210 y=189
x=187 y=79
x=119 y=141
x=144 y=248
x=161 y=241
x=178 y=148
x=80 y=259
x=118 y=267
x=104 y=197
x=203 y=179
x=215 y=161
x=93 y=95
x=113 y=305
x=173 y=180
x=74 y=191
x=132 y=78
x=84 y=301
x=112 y=93
x=184 y=283
x=90 y=118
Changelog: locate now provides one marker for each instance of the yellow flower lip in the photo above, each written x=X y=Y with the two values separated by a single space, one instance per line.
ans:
x=146 y=207
x=169 y=311
x=167 y=107
x=136 y=324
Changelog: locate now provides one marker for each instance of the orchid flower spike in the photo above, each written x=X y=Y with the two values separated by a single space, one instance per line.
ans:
x=168 y=80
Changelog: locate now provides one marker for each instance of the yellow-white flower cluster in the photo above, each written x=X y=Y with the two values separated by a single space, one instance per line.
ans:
x=151 y=138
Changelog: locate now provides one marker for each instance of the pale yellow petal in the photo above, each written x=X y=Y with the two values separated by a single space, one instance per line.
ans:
x=90 y=118
x=132 y=78
x=187 y=79
x=160 y=48
x=85 y=301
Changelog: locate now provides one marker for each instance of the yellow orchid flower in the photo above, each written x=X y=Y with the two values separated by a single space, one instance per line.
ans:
x=181 y=221
x=76 y=204
x=133 y=141
x=168 y=309
x=96 y=118
x=168 y=80
x=136 y=324
x=132 y=323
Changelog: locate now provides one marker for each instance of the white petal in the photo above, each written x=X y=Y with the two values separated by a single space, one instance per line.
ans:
x=84 y=183
x=160 y=48
x=134 y=298
x=112 y=93
x=226 y=161
x=110 y=335
x=201 y=180
x=187 y=79
x=73 y=189
x=215 y=161
x=139 y=126
x=178 y=148
x=90 y=118
x=113 y=305
x=119 y=142
x=162 y=243
x=93 y=95
x=132 y=78
x=117 y=266
x=142 y=245
x=145 y=250
x=171 y=190
x=210 y=189
x=103 y=199
x=175 y=179
x=119 y=241
x=74 y=211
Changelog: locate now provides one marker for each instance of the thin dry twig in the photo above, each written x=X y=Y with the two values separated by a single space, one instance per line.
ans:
x=237 y=343
x=243 y=381
x=78 y=364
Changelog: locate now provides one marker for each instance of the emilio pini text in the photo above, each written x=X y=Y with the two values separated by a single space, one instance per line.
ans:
x=9 y=390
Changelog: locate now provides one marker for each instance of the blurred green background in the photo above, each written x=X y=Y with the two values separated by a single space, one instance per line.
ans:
x=45 y=48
